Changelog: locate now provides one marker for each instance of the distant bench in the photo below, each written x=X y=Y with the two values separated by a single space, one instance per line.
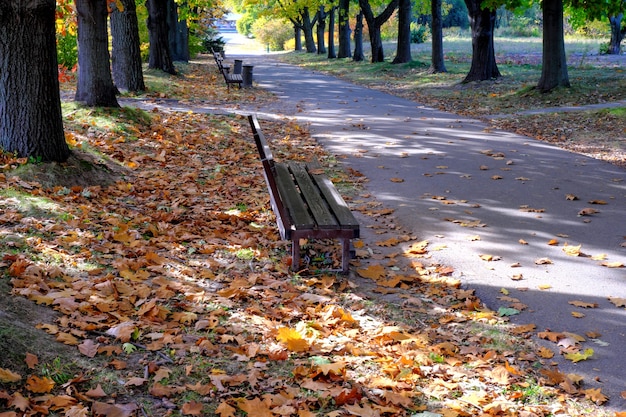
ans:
x=306 y=203
x=225 y=70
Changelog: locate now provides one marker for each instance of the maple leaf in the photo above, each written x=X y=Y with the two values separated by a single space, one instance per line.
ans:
x=373 y=272
x=292 y=339
x=595 y=395
x=89 y=348
x=192 y=408
x=365 y=411
x=117 y=410
x=579 y=356
x=255 y=407
x=96 y=392
x=39 y=385
x=7 y=376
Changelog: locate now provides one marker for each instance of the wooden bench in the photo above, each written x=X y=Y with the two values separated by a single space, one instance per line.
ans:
x=306 y=203
x=225 y=70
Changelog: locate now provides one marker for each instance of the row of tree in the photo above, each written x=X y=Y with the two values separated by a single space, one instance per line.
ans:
x=30 y=107
x=482 y=18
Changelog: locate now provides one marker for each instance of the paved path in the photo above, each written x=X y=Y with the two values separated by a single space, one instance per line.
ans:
x=450 y=197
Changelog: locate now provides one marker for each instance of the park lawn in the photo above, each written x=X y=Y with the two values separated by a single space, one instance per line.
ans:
x=146 y=277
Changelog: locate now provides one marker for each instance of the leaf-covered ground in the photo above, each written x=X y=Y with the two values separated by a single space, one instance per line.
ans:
x=154 y=257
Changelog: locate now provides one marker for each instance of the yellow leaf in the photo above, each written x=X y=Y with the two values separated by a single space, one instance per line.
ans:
x=523 y=328
x=504 y=291
x=579 y=356
x=619 y=302
x=7 y=376
x=397 y=180
x=543 y=261
x=571 y=250
x=577 y=315
x=292 y=339
x=544 y=286
x=595 y=395
x=553 y=242
x=545 y=353
x=418 y=248
x=613 y=264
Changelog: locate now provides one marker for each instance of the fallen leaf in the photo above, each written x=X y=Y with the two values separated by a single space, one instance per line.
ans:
x=577 y=314
x=292 y=339
x=613 y=264
x=588 y=212
x=579 y=356
x=7 y=376
x=39 y=385
x=543 y=261
x=600 y=202
x=583 y=304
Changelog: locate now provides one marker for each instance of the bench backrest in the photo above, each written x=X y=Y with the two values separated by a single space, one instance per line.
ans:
x=259 y=138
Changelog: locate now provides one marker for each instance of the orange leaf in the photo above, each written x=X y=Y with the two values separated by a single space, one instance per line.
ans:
x=523 y=328
x=583 y=304
x=192 y=408
x=7 y=376
x=255 y=407
x=31 y=360
x=225 y=410
x=96 y=392
x=373 y=272
x=39 y=385
x=595 y=395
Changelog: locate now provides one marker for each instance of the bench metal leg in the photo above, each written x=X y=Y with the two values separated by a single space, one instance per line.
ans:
x=295 y=254
x=345 y=255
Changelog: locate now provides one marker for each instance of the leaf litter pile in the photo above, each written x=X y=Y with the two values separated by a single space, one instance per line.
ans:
x=172 y=285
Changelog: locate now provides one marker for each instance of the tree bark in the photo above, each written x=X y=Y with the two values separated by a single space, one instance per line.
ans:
x=358 y=39
x=158 y=31
x=374 y=24
x=126 y=56
x=403 y=51
x=31 y=124
x=178 y=34
x=331 y=33
x=344 y=29
x=482 y=22
x=95 y=83
x=554 y=63
x=617 y=34
x=437 y=63
x=307 y=28
x=321 y=30
x=297 y=34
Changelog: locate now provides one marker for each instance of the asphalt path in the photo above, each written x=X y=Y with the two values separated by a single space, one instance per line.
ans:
x=471 y=191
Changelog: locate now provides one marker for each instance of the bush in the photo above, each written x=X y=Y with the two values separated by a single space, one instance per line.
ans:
x=272 y=32
x=211 y=41
x=419 y=33
x=67 y=50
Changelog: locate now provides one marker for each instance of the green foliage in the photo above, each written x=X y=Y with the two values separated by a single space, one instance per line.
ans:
x=521 y=23
x=211 y=41
x=244 y=24
x=455 y=14
x=419 y=33
x=272 y=32
x=67 y=50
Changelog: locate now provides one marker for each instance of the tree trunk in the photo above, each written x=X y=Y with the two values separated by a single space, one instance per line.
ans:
x=30 y=105
x=554 y=63
x=374 y=24
x=158 y=31
x=482 y=22
x=358 y=39
x=126 y=56
x=178 y=35
x=437 y=64
x=95 y=83
x=321 y=30
x=403 y=51
x=297 y=34
x=617 y=35
x=331 y=33
x=344 y=29
x=307 y=28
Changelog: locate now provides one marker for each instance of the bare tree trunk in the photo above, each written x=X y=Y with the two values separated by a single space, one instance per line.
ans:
x=331 y=33
x=321 y=30
x=437 y=64
x=178 y=34
x=160 y=54
x=307 y=28
x=403 y=51
x=344 y=29
x=617 y=34
x=374 y=24
x=297 y=34
x=482 y=22
x=30 y=105
x=126 y=56
x=95 y=83
x=554 y=63
x=358 y=39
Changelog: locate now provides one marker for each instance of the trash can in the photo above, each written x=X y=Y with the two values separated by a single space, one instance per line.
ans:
x=247 y=76
x=238 y=64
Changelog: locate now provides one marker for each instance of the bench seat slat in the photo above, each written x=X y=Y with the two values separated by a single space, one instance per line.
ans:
x=290 y=195
x=324 y=218
x=338 y=205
